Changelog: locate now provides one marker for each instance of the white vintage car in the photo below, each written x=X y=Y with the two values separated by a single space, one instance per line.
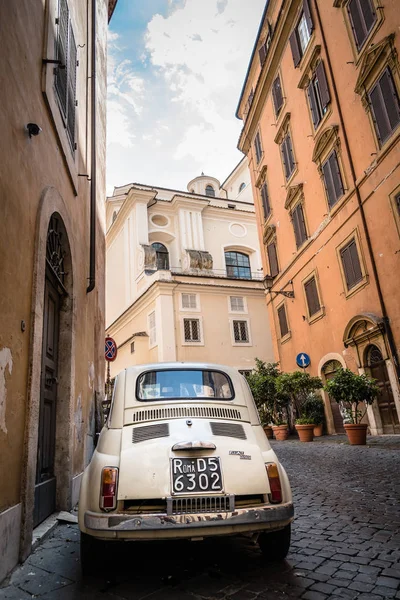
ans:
x=183 y=455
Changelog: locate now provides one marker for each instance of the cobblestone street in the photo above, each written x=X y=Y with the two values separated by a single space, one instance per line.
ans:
x=345 y=544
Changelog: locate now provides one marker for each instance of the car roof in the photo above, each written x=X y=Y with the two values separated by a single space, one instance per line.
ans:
x=180 y=365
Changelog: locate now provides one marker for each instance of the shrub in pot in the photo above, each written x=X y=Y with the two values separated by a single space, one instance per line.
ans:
x=354 y=393
x=305 y=429
x=314 y=408
x=297 y=387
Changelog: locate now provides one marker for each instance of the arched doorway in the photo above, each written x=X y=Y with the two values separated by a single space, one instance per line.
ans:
x=328 y=371
x=55 y=293
x=376 y=366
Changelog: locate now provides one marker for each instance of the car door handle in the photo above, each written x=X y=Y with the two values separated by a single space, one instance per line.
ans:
x=197 y=445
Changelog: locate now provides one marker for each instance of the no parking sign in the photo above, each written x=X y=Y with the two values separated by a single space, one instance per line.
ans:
x=110 y=349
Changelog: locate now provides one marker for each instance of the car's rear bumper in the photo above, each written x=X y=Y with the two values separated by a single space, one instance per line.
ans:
x=161 y=526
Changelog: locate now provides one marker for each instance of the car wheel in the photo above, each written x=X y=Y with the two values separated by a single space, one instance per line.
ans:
x=91 y=555
x=275 y=545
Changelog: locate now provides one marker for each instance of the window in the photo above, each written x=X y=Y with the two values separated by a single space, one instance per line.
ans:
x=189 y=301
x=237 y=304
x=332 y=179
x=273 y=259
x=132 y=347
x=385 y=106
x=258 y=147
x=397 y=203
x=65 y=74
x=242 y=186
x=162 y=256
x=301 y=35
x=191 y=328
x=287 y=156
x=318 y=95
x=114 y=216
x=152 y=328
x=210 y=191
x=265 y=201
x=240 y=332
x=362 y=18
x=299 y=226
x=237 y=265
x=283 y=324
x=184 y=384
x=351 y=264
x=263 y=50
x=277 y=95
x=313 y=303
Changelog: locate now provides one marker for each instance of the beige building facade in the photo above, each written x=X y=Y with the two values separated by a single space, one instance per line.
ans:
x=52 y=186
x=321 y=128
x=184 y=274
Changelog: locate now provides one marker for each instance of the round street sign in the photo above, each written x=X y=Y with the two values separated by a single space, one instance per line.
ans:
x=110 y=349
x=303 y=360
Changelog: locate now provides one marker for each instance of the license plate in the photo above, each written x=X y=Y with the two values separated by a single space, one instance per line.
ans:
x=196 y=475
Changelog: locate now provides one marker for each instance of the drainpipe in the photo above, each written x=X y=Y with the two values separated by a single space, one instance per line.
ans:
x=385 y=318
x=93 y=215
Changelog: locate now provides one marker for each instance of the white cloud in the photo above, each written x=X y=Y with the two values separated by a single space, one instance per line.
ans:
x=175 y=116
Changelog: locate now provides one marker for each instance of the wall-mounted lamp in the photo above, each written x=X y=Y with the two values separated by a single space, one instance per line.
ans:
x=268 y=282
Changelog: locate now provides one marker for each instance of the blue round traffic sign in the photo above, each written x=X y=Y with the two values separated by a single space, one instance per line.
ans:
x=303 y=360
x=110 y=349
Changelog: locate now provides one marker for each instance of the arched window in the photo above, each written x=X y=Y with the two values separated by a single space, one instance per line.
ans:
x=162 y=256
x=242 y=186
x=210 y=191
x=237 y=265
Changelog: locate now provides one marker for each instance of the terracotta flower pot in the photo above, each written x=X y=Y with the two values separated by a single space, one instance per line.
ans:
x=318 y=430
x=306 y=432
x=357 y=434
x=268 y=431
x=281 y=432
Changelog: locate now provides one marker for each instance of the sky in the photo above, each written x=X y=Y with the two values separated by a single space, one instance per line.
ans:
x=175 y=73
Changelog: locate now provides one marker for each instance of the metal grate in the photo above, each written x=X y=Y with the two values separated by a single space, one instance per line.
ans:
x=233 y=430
x=179 y=412
x=151 y=432
x=201 y=504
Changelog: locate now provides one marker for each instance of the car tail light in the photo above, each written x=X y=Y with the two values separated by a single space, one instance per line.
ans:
x=275 y=497
x=108 y=493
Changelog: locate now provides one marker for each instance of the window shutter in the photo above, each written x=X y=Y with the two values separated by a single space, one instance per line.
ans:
x=290 y=153
x=302 y=224
x=237 y=303
x=294 y=44
x=257 y=146
x=71 y=95
x=368 y=13
x=397 y=200
x=329 y=186
x=251 y=96
x=285 y=158
x=283 y=324
x=313 y=104
x=336 y=176
x=379 y=114
x=296 y=227
x=323 y=84
x=262 y=53
x=357 y=22
x=351 y=264
x=62 y=55
x=307 y=14
x=390 y=98
x=312 y=296
x=273 y=259
x=265 y=201
x=277 y=95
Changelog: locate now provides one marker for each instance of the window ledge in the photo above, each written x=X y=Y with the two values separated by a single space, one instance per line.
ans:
x=323 y=121
x=242 y=344
x=360 y=53
x=360 y=285
x=317 y=316
x=192 y=343
x=304 y=59
x=292 y=176
x=286 y=337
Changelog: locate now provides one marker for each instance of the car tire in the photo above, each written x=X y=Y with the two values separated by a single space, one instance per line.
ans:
x=275 y=545
x=91 y=555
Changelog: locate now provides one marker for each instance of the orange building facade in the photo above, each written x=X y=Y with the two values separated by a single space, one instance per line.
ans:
x=321 y=128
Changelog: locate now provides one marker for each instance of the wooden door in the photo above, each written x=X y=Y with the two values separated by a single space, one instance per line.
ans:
x=387 y=408
x=45 y=488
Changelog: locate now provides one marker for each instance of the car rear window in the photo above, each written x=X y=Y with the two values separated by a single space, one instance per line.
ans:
x=184 y=384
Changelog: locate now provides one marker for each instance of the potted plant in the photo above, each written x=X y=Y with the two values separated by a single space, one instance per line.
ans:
x=354 y=393
x=314 y=407
x=298 y=386
x=270 y=404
